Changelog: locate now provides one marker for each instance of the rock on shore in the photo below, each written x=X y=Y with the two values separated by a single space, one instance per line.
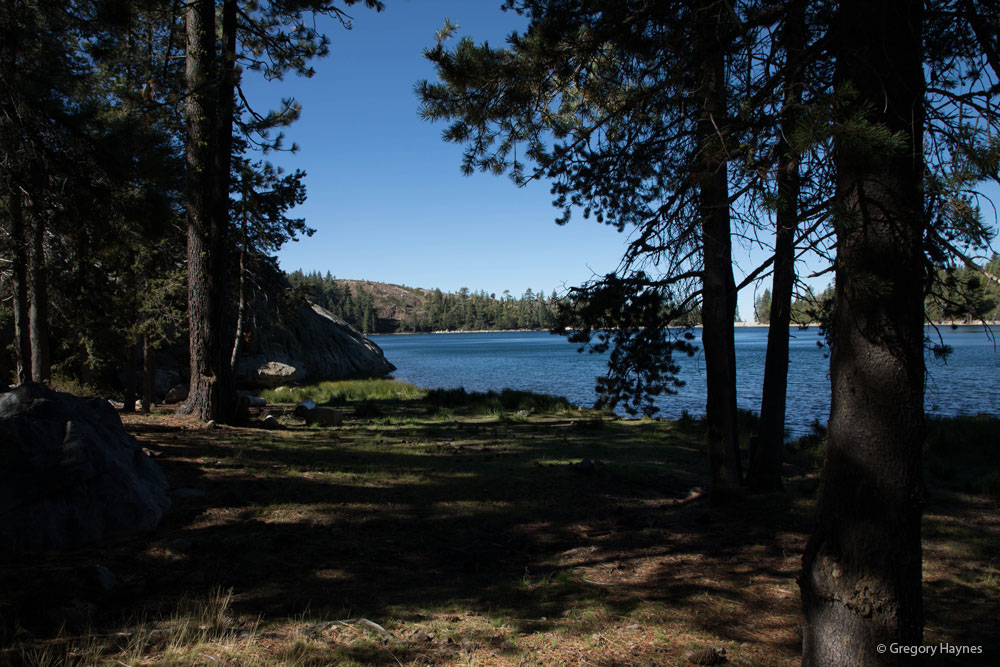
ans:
x=314 y=345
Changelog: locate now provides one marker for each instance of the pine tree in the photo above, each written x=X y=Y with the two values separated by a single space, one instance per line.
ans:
x=762 y=307
x=273 y=39
x=862 y=567
x=632 y=126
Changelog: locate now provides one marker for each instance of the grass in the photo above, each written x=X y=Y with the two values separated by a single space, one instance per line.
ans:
x=444 y=528
x=343 y=391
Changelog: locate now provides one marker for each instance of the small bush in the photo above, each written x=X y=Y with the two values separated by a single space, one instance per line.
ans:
x=497 y=404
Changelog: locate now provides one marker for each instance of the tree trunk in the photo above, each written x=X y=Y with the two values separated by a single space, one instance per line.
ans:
x=208 y=396
x=38 y=309
x=19 y=283
x=128 y=404
x=718 y=285
x=765 y=454
x=862 y=567
x=147 y=375
x=242 y=307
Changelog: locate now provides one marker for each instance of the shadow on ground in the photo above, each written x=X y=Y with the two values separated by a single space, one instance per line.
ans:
x=542 y=525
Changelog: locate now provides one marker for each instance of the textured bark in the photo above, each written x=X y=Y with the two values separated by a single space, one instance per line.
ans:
x=128 y=404
x=862 y=567
x=147 y=375
x=207 y=397
x=765 y=454
x=38 y=308
x=718 y=311
x=241 y=310
x=19 y=285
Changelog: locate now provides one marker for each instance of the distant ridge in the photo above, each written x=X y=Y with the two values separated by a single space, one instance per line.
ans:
x=376 y=307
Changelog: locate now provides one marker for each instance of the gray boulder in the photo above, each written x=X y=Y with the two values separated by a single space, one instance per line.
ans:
x=70 y=474
x=276 y=374
x=317 y=344
x=177 y=394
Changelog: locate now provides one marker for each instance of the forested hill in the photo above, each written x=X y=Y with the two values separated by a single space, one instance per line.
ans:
x=374 y=307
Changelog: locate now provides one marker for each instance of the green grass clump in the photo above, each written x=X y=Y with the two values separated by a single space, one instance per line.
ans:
x=371 y=389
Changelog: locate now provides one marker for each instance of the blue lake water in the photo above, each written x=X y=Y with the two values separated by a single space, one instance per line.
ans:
x=968 y=382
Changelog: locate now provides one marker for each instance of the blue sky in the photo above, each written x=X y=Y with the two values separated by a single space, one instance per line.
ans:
x=385 y=193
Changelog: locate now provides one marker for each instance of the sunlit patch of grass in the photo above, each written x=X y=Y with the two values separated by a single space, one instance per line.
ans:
x=200 y=627
x=73 y=386
x=340 y=391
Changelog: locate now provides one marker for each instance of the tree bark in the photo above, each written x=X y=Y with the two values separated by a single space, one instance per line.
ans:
x=718 y=285
x=208 y=396
x=128 y=404
x=242 y=307
x=765 y=452
x=38 y=308
x=19 y=283
x=147 y=375
x=862 y=567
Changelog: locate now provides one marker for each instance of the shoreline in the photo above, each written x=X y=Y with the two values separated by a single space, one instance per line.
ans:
x=738 y=325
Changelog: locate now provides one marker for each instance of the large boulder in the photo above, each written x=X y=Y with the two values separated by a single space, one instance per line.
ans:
x=70 y=474
x=316 y=344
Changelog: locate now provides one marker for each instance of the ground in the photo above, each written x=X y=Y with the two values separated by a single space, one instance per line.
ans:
x=422 y=534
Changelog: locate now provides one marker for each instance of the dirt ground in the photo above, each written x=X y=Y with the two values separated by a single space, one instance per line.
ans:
x=416 y=539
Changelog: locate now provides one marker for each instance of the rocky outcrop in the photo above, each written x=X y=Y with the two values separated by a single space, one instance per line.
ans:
x=70 y=474
x=315 y=344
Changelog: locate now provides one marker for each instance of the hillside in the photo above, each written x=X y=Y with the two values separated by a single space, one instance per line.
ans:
x=374 y=307
x=390 y=302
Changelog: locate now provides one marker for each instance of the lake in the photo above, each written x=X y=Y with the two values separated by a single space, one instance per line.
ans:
x=967 y=382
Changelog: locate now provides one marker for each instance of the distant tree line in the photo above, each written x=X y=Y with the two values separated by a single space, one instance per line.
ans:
x=432 y=310
x=967 y=293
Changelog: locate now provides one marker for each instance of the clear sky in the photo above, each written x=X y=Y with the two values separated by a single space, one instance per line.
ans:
x=385 y=193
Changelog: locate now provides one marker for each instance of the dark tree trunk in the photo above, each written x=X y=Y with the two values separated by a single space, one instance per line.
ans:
x=38 y=308
x=147 y=375
x=241 y=309
x=765 y=454
x=19 y=283
x=718 y=311
x=862 y=567
x=208 y=397
x=128 y=405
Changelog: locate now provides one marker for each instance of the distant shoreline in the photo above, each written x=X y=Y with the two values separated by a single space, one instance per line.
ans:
x=457 y=331
x=740 y=325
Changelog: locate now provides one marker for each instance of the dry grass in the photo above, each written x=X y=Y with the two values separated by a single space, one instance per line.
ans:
x=436 y=537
